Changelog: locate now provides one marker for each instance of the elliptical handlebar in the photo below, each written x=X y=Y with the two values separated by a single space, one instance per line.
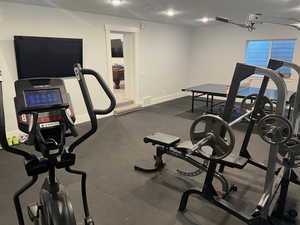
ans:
x=107 y=91
x=80 y=73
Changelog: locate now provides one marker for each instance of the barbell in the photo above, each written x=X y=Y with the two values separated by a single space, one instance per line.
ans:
x=216 y=140
x=210 y=136
x=265 y=106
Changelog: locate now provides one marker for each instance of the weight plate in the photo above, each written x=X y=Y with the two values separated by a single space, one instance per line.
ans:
x=265 y=106
x=291 y=150
x=290 y=160
x=292 y=145
x=216 y=129
x=248 y=103
x=275 y=129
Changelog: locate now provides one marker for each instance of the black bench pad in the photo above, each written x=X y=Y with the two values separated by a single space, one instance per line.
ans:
x=185 y=147
x=162 y=139
x=235 y=161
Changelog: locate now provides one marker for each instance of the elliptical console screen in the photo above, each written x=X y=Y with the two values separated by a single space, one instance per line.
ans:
x=38 y=98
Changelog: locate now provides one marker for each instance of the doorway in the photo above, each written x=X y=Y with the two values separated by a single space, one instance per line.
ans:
x=118 y=67
x=122 y=53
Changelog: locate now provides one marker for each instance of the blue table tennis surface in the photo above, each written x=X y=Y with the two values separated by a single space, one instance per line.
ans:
x=222 y=90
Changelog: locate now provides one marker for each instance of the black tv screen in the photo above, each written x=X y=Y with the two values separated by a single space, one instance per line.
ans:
x=116 y=48
x=46 y=57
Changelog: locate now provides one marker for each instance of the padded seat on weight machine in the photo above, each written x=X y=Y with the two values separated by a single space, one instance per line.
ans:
x=184 y=147
x=234 y=161
x=162 y=139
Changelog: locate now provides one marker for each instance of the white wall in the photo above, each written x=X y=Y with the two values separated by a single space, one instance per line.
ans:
x=217 y=49
x=165 y=63
x=164 y=51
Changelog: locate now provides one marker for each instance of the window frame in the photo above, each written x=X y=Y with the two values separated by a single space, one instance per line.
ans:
x=270 y=52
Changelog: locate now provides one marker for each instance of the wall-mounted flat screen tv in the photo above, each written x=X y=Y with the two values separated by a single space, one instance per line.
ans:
x=116 y=48
x=47 y=56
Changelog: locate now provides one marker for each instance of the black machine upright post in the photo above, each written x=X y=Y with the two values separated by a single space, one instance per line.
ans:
x=284 y=187
x=208 y=189
x=52 y=175
x=242 y=72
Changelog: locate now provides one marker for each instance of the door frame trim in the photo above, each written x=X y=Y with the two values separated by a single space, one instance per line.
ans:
x=135 y=70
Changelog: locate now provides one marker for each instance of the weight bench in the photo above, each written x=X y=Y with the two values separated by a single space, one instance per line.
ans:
x=172 y=145
x=170 y=141
x=162 y=139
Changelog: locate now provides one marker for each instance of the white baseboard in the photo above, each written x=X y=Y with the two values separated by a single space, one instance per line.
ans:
x=82 y=118
x=85 y=118
x=152 y=101
x=16 y=133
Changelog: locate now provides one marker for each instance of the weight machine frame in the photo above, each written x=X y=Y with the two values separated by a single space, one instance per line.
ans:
x=264 y=209
x=274 y=65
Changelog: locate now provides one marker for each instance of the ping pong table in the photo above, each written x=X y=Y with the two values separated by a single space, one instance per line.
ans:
x=221 y=90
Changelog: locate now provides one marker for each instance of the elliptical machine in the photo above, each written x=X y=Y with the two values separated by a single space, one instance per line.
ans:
x=44 y=111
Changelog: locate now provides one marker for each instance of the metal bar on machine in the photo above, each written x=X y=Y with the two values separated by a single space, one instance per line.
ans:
x=280 y=109
x=240 y=118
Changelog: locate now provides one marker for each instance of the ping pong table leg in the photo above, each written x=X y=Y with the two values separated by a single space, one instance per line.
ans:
x=212 y=104
x=193 y=99
x=207 y=101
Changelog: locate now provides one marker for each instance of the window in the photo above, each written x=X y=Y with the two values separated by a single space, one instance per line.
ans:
x=258 y=53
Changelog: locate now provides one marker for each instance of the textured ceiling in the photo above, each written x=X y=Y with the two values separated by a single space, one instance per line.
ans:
x=189 y=10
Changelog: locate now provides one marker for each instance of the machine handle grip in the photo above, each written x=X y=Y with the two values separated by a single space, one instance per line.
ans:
x=33 y=129
x=79 y=72
x=107 y=91
x=222 y=19
x=70 y=123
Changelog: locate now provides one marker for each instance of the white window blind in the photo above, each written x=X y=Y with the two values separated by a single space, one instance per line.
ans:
x=259 y=52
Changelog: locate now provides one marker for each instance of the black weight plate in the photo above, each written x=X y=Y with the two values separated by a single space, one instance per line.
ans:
x=214 y=126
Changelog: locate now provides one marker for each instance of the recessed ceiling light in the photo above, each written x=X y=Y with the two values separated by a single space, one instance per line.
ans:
x=205 y=19
x=170 y=12
x=116 y=2
x=297 y=8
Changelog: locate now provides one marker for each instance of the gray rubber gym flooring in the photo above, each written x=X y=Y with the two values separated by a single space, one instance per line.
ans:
x=119 y=196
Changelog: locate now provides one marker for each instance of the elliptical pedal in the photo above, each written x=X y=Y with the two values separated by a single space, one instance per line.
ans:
x=89 y=221
x=33 y=212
